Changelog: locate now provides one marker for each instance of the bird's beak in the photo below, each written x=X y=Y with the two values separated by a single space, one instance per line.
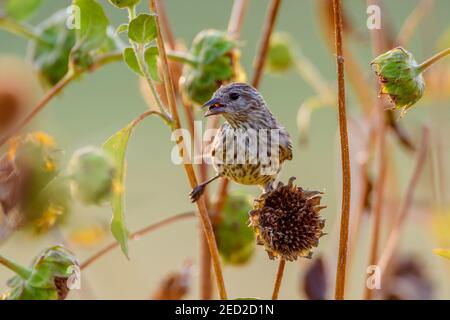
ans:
x=215 y=107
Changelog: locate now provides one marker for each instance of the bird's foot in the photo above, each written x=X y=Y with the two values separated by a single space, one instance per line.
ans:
x=197 y=192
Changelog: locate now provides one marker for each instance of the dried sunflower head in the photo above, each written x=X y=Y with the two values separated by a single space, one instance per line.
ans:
x=287 y=221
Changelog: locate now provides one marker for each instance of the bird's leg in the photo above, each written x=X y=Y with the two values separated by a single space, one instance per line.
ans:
x=197 y=192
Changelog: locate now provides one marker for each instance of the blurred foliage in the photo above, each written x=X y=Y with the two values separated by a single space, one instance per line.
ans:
x=235 y=239
x=281 y=55
x=91 y=172
x=30 y=192
x=21 y=9
x=214 y=62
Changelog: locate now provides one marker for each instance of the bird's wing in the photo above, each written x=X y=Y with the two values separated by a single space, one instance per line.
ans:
x=285 y=146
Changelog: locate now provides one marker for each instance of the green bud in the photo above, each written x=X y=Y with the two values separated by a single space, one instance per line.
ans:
x=400 y=77
x=51 y=58
x=49 y=277
x=215 y=63
x=235 y=239
x=122 y=4
x=92 y=172
x=281 y=56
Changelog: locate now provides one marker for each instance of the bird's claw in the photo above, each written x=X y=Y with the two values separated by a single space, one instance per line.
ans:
x=196 y=193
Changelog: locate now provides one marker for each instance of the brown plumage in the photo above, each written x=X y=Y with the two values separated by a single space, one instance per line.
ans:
x=250 y=146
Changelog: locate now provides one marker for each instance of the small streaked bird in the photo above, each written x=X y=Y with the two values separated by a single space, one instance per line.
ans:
x=250 y=146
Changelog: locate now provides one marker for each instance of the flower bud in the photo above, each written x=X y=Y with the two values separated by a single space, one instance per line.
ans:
x=287 y=221
x=400 y=77
x=235 y=240
x=92 y=172
x=215 y=62
x=281 y=55
x=31 y=194
x=48 y=278
x=122 y=4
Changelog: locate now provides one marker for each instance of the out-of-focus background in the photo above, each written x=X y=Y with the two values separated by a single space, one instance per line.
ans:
x=92 y=109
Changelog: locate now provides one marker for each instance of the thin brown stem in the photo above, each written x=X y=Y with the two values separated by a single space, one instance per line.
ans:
x=201 y=203
x=429 y=62
x=265 y=40
x=234 y=30
x=52 y=93
x=136 y=235
x=279 y=279
x=379 y=193
x=55 y=91
x=378 y=45
x=411 y=23
x=394 y=235
x=165 y=25
x=345 y=155
x=237 y=18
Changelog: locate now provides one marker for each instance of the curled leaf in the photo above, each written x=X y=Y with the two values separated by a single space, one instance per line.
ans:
x=93 y=29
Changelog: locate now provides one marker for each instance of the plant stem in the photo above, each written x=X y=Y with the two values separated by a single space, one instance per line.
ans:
x=237 y=18
x=279 y=278
x=183 y=57
x=20 y=29
x=139 y=52
x=412 y=21
x=345 y=155
x=165 y=25
x=378 y=38
x=265 y=40
x=394 y=235
x=23 y=272
x=428 y=63
x=379 y=193
x=52 y=93
x=201 y=203
x=234 y=29
x=136 y=235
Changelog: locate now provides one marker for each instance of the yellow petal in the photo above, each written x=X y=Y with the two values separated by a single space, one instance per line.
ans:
x=88 y=237
x=445 y=253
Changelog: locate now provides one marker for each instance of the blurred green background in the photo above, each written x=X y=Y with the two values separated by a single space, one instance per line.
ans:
x=91 y=110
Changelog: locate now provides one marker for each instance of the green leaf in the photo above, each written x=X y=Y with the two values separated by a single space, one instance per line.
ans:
x=21 y=9
x=93 y=25
x=116 y=146
x=52 y=59
x=151 y=58
x=130 y=59
x=124 y=3
x=445 y=253
x=122 y=28
x=142 y=29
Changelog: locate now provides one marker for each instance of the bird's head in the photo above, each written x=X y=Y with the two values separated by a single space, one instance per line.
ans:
x=237 y=102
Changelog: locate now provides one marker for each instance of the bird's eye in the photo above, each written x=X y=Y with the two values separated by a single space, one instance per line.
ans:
x=234 y=96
